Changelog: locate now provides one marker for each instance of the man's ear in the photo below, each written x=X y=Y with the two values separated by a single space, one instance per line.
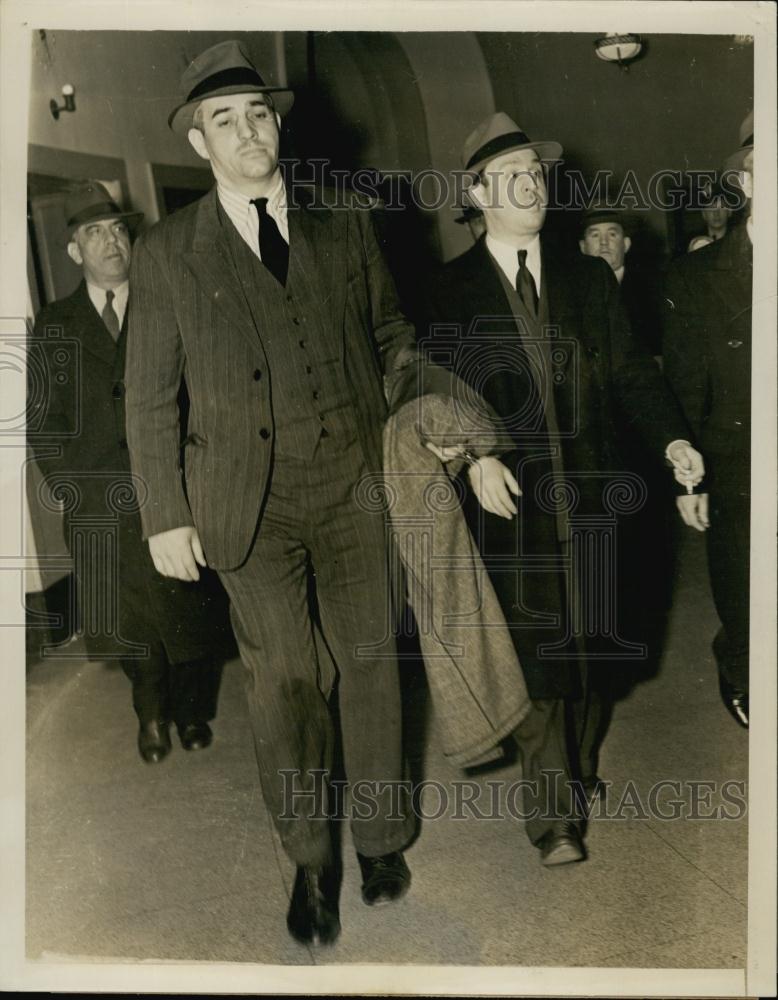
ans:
x=627 y=244
x=278 y=122
x=746 y=179
x=582 y=247
x=74 y=253
x=197 y=142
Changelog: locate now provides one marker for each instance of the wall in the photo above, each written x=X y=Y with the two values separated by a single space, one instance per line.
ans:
x=678 y=107
x=408 y=100
x=127 y=82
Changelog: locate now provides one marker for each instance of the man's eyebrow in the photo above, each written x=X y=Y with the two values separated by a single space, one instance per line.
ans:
x=219 y=111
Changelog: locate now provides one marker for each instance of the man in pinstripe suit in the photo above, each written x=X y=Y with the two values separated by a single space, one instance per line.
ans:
x=283 y=321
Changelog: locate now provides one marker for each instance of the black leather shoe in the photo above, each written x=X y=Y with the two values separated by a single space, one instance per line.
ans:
x=384 y=879
x=313 y=911
x=195 y=735
x=561 y=845
x=154 y=741
x=735 y=701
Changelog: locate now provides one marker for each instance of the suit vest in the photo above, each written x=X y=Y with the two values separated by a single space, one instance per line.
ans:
x=310 y=395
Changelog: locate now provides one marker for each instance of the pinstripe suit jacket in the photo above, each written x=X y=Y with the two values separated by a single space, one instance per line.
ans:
x=189 y=319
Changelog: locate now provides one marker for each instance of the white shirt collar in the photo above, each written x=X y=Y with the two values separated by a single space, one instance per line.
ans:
x=750 y=228
x=619 y=272
x=507 y=257
x=244 y=217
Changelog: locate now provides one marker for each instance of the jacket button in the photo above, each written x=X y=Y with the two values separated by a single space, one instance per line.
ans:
x=264 y=433
x=118 y=390
x=738 y=423
x=123 y=443
x=257 y=374
x=296 y=321
x=734 y=343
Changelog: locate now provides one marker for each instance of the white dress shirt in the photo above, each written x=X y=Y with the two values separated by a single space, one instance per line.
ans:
x=244 y=216
x=507 y=257
x=119 y=304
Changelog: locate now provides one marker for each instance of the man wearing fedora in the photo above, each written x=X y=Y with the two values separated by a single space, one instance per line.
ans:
x=708 y=362
x=162 y=631
x=281 y=318
x=604 y=233
x=541 y=334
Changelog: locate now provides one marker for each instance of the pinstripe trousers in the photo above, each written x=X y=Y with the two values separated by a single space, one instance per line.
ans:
x=313 y=530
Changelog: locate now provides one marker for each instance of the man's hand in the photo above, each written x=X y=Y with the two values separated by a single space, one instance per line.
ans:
x=688 y=466
x=694 y=510
x=177 y=552
x=493 y=483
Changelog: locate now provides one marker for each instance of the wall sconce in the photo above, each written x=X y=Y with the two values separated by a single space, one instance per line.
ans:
x=618 y=48
x=69 y=93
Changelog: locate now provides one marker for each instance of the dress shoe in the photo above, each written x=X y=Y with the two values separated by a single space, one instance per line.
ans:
x=154 y=741
x=735 y=701
x=195 y=735
x=313 y=911
x=384 y=879
x=561 y=845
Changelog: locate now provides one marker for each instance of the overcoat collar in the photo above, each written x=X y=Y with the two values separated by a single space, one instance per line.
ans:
x=92 y=332
x=488 y=299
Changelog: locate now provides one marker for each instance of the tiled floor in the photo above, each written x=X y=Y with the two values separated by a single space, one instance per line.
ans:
x=180 y=862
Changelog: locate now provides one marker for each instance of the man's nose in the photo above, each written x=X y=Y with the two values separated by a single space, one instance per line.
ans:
x=246 y=129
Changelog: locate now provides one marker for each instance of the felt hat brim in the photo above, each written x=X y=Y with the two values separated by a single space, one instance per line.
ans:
x=547 y=150
x=130 y=218
x=180 y=118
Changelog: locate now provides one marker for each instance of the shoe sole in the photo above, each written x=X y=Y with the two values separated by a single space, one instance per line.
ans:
x=563 y=855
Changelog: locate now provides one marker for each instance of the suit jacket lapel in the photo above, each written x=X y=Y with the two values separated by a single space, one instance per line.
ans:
x=315 y=244
x=91 y=330
x=485 y=295
x=210 y=259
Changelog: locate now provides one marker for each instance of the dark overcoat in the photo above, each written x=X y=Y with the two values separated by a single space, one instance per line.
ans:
x=600 y=376
x=76 y=426
x=707 y=351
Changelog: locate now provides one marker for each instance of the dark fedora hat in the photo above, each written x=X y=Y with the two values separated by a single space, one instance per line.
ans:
x=223 y=69
x=735 y=161
x=602 y=213
x=89 y=201
x=500 y=134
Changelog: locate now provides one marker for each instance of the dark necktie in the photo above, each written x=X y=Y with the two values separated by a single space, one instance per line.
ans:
x=110 y=318
x=525 y=286
x=273 y=248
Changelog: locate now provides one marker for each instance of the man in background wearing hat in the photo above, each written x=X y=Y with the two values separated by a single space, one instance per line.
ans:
x=708 y=362
x=283 y=322
x=603 y=234
x=557 y=398
x=162 y=631
x=716 y=214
